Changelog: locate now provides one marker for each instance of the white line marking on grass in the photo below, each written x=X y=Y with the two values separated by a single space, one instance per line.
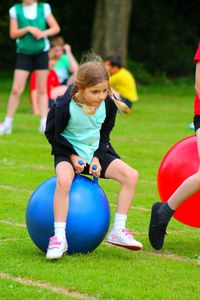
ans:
x=170 y=232
x=12 y=223
x=134 y=207
x=136 y=232
x=164 y=255
x=13 y=239
x=181 y=231
x=44 y=285
x=12 y=188
x=140 y=208
x=36 y=167
x=173 y=257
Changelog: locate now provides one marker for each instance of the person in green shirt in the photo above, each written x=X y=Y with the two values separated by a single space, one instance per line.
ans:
x=66 y=65
x=31 y=22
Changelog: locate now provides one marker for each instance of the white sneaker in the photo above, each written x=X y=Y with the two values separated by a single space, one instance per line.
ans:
x=56 y=248
x=124 y=238
x=5 y=129
x=42 y=127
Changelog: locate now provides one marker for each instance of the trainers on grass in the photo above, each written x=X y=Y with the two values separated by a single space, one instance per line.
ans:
x=56 y=248
x=124 y=238
x=157 y=228
x=5 y=129
x=42 y=127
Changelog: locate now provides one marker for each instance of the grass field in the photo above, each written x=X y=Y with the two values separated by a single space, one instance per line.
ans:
x=161 y=118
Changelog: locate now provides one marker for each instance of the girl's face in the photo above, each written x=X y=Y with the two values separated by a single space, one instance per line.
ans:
x=109 y=68
x=94 y=95
x=29 y=2
x=58 y=51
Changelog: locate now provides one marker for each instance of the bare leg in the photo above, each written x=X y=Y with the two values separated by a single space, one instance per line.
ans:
x=41 y=84
x=34 y=102
x=128 y=177
x=65 y=175
x=58 y=243
x=19 y=81
x=162 y=213
x=190 y=186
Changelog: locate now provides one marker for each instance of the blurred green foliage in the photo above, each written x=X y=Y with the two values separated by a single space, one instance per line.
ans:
x=163 y=34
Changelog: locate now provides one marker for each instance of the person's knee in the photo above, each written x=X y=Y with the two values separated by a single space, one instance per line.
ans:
x=131 y=176
x=42 y=91
x=17 y=91
x=63 y=183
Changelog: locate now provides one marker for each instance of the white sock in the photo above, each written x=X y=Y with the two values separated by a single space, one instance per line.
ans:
x=8 y=121
x=59 y=229
x=119 y=221
x=43 y=121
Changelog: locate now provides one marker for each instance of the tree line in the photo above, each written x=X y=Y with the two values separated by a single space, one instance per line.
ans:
x=161 y=35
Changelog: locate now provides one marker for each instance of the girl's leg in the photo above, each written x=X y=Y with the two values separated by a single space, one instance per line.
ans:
x=127 y=177
x=19 y=81
x=162 y=213
x=190 y=186
x=65 y=176
x=58 y=244
x=34 y=102
x=41 y=84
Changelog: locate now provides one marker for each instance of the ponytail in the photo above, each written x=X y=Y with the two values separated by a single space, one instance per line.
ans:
x=121 y=106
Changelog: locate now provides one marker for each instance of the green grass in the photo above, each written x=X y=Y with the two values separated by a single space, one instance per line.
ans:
x=160 y=119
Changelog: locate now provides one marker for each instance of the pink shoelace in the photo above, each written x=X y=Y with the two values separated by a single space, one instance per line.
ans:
x=127 y=232
x=54 y=241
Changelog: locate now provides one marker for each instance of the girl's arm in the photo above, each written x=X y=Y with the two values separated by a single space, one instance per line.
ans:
x=53 y=29
x=16 y=33
x=73 y=63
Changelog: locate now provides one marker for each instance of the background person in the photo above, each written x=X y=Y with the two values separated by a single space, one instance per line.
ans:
x=52 y=82
x=66 y=65
x=162 y=213
x=30 y=25
x=121 y=80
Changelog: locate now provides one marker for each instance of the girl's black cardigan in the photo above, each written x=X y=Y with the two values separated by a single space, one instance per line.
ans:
x=57 y=121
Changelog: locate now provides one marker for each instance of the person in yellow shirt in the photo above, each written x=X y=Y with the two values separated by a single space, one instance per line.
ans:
x=121 y=80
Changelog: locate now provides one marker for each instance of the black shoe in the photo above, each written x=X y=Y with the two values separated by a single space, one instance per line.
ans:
x=157 y=229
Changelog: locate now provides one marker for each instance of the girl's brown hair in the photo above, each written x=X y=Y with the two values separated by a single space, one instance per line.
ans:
x=57 y=41
x=91 y=72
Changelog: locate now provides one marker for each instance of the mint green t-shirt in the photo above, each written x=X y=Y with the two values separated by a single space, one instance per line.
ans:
x=83 y=131
x=62 y=67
